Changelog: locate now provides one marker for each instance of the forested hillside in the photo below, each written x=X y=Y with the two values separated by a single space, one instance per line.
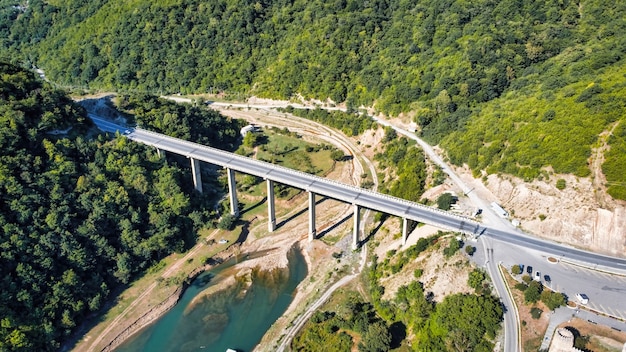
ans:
x=515 y=74
x=80 y=214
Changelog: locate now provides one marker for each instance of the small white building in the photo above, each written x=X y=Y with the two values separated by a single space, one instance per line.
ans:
x=249 y=128
x=499 y=210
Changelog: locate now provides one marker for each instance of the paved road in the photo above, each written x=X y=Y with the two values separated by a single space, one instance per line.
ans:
x=318 y=185
x=362 y=197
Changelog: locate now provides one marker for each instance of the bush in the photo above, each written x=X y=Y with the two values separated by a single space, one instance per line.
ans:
x=521 y=286
x=470 y=250
x=227 y=222
x=533 y=292
x=535 y=312
x=560 y=184
x=445 y=201
x=337 y=155
x=516 y=269
x=454 y=246
x=553 y=300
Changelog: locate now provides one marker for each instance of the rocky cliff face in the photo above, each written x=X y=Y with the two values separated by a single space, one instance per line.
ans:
x=575 y=215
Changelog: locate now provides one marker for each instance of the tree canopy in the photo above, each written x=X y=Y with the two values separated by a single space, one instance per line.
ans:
x=79 y=215
x=545 y=78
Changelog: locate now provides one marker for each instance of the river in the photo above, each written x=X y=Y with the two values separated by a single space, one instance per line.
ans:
x=236 y=317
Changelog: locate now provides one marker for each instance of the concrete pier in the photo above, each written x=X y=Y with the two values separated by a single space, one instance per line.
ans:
x=405 y=230
x=312 y=231
x=357 y=225
x=232 y=192
x=271 y=210
x=195 y=172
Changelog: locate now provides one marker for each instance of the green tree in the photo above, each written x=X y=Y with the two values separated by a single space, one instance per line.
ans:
x=376 y=339
x=337 y=155
x=445 y=201
x=476 y=278
x=516 y=269
x=532 y=292
x=552 y=300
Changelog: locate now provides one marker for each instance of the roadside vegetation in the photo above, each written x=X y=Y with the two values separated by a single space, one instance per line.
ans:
x=411 y=318
x=404 y=165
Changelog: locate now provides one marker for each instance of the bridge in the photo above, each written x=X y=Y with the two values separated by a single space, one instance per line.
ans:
x=358 y=197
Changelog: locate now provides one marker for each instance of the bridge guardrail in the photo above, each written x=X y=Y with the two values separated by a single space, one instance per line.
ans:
x=303 y=175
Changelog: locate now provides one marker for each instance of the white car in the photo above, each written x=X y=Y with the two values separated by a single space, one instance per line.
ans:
x=537 y=276
x=582 y=298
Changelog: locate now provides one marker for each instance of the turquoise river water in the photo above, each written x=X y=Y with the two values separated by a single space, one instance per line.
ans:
x=235 y=318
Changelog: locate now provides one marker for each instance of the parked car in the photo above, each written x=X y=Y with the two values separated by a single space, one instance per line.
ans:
x=546 y=278
x=529 y=270
x=537 y=276
x=582 y=298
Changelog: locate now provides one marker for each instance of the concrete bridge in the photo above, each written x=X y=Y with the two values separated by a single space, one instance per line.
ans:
x=313 y=185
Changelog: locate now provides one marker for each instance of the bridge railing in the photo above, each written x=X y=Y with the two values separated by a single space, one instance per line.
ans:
x=306 y=176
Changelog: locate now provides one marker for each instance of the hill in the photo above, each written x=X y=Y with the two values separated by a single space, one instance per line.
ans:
x=545 y=77
x=81 y=213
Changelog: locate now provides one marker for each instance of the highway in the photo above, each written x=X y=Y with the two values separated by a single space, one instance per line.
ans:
x=318 y=185
x=354 y=195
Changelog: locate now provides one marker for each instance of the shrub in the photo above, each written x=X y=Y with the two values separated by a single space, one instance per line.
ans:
x=227 y=222
x=535 y=312
x=454 y=246
x=521 y=286
x=445 y=201
x=560 y=184
x=516 y=269
x=470 y=250
x=418 y=273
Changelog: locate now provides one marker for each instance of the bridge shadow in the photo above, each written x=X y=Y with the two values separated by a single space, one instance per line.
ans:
x=333 y=226
x=245 y=231
x=375 y=230
x=254 y=206
x=283 y=222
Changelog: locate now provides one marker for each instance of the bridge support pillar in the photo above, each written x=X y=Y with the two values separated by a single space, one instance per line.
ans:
x=357 y=225
x=312 y=230
x=271 y=211
x=405 y=230
x=160 y=153
x=232 y=192
x=195 y=172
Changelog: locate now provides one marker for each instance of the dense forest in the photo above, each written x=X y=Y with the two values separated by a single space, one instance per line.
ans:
x=81 y=213
x=546 y=77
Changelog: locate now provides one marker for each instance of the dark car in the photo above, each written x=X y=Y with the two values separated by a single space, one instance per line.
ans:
x=529 y=270
x=546 y=278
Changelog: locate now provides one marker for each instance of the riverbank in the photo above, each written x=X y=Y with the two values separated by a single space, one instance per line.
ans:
x=158 y=284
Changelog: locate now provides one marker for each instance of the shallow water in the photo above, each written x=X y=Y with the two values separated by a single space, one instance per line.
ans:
x=233 y=318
